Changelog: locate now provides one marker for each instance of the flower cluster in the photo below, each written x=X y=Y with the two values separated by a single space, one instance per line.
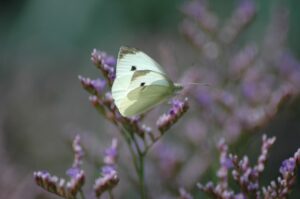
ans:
x=282 y=186
x=168 y=119
x=106 y=63
x=247 y=177
x=109 y=176
x=60 y=186
x=249 y=82
x=184 y=194
x=69 y=189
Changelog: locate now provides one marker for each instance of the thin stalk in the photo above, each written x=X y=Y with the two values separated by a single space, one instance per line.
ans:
x=82 y=196
x=140 y=165
x=128 y=141
x=111 y=196
x=141 y=175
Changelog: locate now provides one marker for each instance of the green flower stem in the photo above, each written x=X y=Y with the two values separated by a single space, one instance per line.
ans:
x=141 y=175
x=138 y=159
x=82 y=196
x=126 y=136
x=111 y=196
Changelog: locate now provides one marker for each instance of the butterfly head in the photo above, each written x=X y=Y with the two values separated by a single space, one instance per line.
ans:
x=177 y=87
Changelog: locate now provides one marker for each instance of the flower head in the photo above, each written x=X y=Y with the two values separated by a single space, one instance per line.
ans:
x=168 y=119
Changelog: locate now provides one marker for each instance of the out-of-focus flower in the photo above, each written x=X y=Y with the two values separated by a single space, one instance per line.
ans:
x=287 y=166
x=247 y=177
x=198 y=11
x=60 y=186
x=282 y=186
x=184 y=194
x=111 y=153
x=106 y=183
x=249 y=84
x=109 y=177
x=241 y=17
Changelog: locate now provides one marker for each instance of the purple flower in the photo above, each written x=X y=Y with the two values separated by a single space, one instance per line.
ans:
x=110 y=60
x=98 y=84
x=240 y=196
x=105 y=183
x=250 y=90
x=287 y=166
x=200 y=13
x=166 y=120
x=73 y=172
x=227 y=163
x=111 y=153
x=105 y=63
x=246 y=10
x=107 y=170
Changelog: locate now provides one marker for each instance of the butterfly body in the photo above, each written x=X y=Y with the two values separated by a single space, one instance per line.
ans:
x=140 y=83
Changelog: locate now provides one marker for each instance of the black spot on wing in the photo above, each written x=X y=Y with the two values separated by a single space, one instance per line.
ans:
x=133 y=68
x=142 y=84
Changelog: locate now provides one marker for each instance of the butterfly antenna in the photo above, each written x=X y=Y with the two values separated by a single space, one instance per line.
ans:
x=200 y=84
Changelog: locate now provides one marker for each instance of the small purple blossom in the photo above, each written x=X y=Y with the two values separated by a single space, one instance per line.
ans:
x=245 y=10
x=105 y=183
x=165 y=121
x=106 y=170
x=78 y=152
x=106 y=63
x=111 y=153
x=110 y=60
x=287 y=166
x=184 y=194
x=98 y=84
x=109 y=176
x=198 y=11
x=95 y=87
x=241 y=17
x=240 y=196
x=73 y=172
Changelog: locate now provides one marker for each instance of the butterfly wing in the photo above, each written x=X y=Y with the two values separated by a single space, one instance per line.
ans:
x=131 y=60
x=146 y=99
x=147 y=89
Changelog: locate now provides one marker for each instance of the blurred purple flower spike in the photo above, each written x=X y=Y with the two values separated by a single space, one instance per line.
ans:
x=60 y=186
x=106 y=170
x=109 y=175
x=184 y=194
x=245 y=10
x=287 y=166
x=198 y=11
x=73 y=172
x=111 y=153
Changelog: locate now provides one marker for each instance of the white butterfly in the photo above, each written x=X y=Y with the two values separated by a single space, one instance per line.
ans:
x=140 y=83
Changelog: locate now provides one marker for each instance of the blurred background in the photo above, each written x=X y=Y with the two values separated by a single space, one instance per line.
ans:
x=45 y=45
